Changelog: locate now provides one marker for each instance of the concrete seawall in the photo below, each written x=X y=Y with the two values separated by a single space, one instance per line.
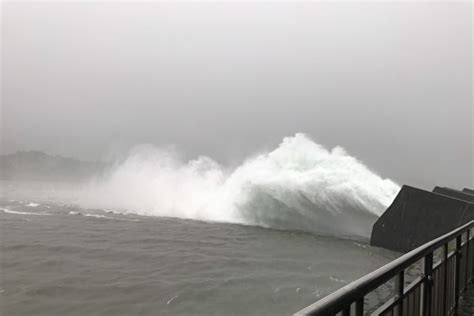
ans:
x=469 y=191
x=417 y=216
x=461 y=195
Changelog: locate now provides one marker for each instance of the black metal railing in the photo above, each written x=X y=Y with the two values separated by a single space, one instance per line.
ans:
x=447 y=268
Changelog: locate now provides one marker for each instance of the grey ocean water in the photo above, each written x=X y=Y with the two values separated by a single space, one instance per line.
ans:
x=65 y=260
x=156 y=235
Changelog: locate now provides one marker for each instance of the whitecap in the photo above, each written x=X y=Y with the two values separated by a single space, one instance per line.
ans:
x=172 y=299
x=5 y=210
x=89 y=215
x=332 y=278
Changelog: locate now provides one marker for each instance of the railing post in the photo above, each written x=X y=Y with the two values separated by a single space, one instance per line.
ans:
x=359 y=307
x=427 y=284
x=472 y=263
x=457 y=273
x=346 y=311
x=467 y=259
x=399 y=286
x=445 y=278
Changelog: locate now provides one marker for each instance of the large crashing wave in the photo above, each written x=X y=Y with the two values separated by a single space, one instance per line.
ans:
x=298 y=186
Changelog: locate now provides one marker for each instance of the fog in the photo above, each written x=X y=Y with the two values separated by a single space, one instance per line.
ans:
x=390 y=82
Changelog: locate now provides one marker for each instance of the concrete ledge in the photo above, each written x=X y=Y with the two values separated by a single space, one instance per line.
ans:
x=468 y=191
x=417 y=216
x=454 y=194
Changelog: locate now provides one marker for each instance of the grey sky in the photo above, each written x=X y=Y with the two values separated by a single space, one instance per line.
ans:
x=390 y=82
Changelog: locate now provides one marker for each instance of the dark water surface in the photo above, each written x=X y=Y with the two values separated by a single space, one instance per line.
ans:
x=63 y=260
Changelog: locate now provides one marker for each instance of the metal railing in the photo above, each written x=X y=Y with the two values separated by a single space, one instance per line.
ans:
x=448 y=267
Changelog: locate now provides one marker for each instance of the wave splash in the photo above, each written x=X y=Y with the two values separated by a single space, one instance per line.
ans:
x=298 y=186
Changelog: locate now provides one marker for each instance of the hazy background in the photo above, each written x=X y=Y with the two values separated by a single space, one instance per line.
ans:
x=390 y=82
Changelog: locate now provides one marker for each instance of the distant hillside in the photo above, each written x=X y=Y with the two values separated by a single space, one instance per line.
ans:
x=39 y=166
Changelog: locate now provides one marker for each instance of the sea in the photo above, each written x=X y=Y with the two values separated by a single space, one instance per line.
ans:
x=65 y=260
x=161 y=235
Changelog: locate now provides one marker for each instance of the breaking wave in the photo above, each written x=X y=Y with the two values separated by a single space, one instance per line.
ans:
x=298 y=186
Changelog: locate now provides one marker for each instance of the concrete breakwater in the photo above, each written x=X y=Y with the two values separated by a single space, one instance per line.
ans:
x=417 y=216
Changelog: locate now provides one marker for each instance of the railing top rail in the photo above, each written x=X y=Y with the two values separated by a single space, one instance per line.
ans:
x=360 y=287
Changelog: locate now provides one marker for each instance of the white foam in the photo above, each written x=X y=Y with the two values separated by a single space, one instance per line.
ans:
x=332 y=278
x=172 y=299
x=97 y=216
x=31 y=204
x=114 y=212
x=5 y=210
x=89 y=215
x=298 y=186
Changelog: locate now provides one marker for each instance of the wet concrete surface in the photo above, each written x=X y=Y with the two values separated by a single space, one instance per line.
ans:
x=466 y=303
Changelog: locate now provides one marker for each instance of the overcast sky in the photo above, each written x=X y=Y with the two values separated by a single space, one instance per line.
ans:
x=390 y=82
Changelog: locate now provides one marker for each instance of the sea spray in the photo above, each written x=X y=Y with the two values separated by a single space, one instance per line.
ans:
x=298 y=186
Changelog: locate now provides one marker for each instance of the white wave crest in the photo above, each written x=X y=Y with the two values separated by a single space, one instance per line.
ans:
x=298 y=186
x=5 y=210
x=89 y=215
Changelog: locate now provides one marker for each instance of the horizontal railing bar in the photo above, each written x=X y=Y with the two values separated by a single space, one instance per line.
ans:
x=443 y=260
x=438 y=265
x=412 y=286
x=387 y=306
x=335 y=302
x=392 y=302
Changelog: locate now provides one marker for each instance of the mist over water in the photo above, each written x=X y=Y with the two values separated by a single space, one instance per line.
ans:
x=300 y=185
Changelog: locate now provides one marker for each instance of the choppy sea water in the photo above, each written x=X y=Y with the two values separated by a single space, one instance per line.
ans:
x=154 y=234
x=65 y=260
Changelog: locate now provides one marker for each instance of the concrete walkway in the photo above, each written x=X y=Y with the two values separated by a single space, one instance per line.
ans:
x=466 y=303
